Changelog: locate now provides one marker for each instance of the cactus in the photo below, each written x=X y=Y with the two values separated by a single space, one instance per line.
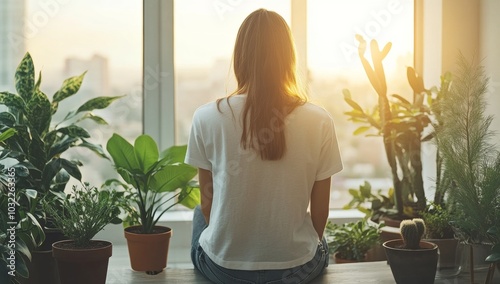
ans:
x=412 y=232
x=420 y=226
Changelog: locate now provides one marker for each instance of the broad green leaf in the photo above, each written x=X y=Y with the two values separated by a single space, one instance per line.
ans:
x=61 y=146
x=361 y=130
x=12 y=101
x=354 y=193
x=71 y=168
x=25 y=77
x=97 y=103
x=7 y=134
x=39 y=112
x=146 y=152
x=122 y=153
x=74 y=131
x=69 y=87
x=95 y=148
x=21 y=268
x=31 y=193
x=23 y=248
x=7 y=119
x=49 y=172
x=97 y=119
x=174 y=154
x=190 y=197
x=172 y=177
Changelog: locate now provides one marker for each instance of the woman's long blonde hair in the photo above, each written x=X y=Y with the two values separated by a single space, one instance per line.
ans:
x=265 y=67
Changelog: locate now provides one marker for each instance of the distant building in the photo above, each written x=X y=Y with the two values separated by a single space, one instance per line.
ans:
x=96 y=81
x=12 y=40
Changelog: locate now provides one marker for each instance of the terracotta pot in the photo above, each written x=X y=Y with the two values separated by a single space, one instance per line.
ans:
x=82 y=266
x=148 y=252
x=450 y=255
x=412 y=266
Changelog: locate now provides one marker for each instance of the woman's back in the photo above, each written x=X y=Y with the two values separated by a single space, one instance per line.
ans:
x=259 y=217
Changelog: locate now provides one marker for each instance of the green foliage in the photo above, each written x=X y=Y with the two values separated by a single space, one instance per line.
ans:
x=21 y=225
x=399 y=122
x=380 y=205
x=438 y=222
x=412 y=232
x=34 y=143
x=470 y=160
x=85 y=212
x=352 y=240
x=149 y=175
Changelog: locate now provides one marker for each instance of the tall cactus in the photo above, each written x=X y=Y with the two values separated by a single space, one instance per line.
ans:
x=412 y=232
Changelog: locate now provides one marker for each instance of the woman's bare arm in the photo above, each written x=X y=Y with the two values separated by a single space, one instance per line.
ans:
x=320 y=205
x=207 y=193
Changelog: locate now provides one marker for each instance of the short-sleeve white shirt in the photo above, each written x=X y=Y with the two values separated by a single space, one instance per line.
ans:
x=259 y=217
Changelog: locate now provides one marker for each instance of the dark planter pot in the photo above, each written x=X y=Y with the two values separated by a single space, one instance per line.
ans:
x=412 y=266
x=450 y=257
x=42 y=267
x=82 y=266
x=148 y=252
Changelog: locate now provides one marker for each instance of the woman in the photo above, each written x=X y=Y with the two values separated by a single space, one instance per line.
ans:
x=264 y=155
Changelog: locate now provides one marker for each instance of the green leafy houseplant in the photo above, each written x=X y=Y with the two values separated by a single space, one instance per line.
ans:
x=351 y=241
x=85 y=212
x=150 y=175
x=33 y=143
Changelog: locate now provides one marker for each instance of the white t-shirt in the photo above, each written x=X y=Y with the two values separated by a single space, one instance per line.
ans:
x=259 y=217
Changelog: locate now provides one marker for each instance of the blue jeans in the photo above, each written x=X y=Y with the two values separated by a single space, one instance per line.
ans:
x=217 y=274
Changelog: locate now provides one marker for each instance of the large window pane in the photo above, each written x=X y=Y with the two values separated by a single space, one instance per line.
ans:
x=334 y=65
x=67 y=38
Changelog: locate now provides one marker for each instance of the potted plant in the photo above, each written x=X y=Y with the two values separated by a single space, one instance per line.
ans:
x=86 y=211
x=470 y=160
x=401 y=124
x=440 y=232
x=412 y=260
x=35 y=145
x=149 y=177
x=350 y=242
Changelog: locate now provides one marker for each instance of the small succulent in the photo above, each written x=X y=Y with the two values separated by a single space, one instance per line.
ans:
x=412 y=232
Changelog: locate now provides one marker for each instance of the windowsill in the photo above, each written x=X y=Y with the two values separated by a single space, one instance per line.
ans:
x=336 y=216
x=181 y=224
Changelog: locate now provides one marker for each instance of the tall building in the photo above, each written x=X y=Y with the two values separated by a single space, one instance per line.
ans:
x=12 y=40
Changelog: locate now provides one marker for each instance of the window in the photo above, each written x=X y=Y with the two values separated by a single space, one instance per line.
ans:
x=333 y=65
x=67 y=38
x=204 y=37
